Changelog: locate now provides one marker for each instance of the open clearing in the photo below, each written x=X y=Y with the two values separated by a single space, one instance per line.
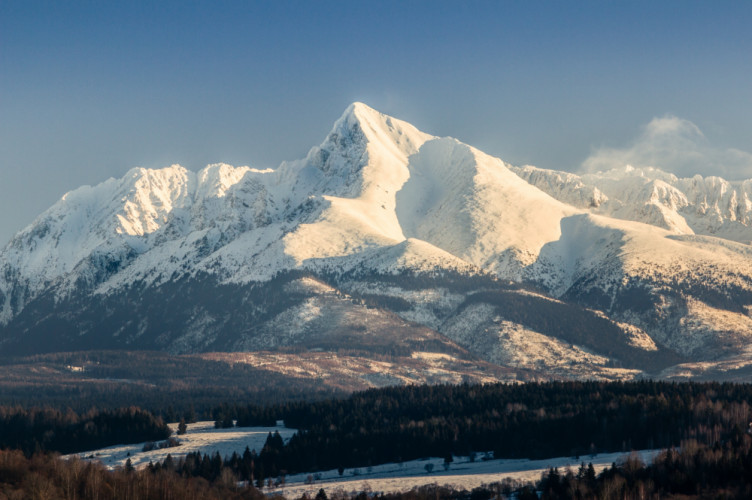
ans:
x=201 y=436
x=462 y=473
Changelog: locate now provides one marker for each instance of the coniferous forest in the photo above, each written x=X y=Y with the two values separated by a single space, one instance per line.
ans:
x=39 y=430
x=535 y=420
x=704 y=428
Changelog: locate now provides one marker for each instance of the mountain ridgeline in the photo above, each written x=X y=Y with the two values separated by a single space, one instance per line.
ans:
x=387 y=241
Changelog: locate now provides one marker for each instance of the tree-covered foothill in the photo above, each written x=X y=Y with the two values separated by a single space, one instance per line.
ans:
x=172 y=386
x=535 y=420
x=37 y=430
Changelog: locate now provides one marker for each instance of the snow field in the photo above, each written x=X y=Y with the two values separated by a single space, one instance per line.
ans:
x=200 y=436
x=461 y=474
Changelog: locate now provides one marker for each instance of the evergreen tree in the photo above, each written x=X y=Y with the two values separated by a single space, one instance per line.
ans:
x=182 y=427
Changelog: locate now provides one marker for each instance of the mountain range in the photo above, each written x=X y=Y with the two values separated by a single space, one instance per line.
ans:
x=385 y=241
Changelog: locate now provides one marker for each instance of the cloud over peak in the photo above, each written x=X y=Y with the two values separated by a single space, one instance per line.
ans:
x=675 y=145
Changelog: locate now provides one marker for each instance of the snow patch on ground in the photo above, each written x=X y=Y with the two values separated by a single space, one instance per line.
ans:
x=201 y=436
x=636 y=337
x=461 y=474
x=484 y=333
x=362 y=372
x=429 y=306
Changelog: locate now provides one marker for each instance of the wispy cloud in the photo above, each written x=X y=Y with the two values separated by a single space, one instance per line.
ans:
x=677 y=146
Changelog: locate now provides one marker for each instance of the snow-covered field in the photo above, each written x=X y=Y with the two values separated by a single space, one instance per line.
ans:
x=461 y=473
x=201 y=436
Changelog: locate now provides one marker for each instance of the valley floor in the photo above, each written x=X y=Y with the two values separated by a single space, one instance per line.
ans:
x=201 y=436
x=462 y=473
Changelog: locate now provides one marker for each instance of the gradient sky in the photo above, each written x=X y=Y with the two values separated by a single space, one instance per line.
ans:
x=90 y=89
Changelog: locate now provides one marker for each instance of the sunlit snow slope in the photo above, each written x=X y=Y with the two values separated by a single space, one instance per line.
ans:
x=432 y=234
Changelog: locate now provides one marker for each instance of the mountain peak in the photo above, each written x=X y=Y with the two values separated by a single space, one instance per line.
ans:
x=356 y=113
x=361 y=122
x=360 y=109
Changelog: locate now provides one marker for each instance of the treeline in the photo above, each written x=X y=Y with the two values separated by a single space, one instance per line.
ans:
x=534 y=420
x=259 y=469
x=37 y=430
x=705 y=428
x=48 y=476
x=694 y=470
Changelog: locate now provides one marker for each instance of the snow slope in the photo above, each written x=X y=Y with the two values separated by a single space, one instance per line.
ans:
x=373 y=179
x=709 y=206
x=655 y=280
x=471 y=205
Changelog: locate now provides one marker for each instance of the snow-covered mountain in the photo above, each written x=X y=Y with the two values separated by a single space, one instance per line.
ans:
x=385 y=239
x=708 y=206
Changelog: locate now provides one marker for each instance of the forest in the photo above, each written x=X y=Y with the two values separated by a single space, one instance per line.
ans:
x=533 y=420
x=696 y=471
x=44 y=429
x=704 y=429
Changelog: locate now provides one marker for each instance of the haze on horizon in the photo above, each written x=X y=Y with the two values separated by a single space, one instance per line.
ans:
x=89 y=90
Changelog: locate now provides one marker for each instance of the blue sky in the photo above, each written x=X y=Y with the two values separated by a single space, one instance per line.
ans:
x=91 y=89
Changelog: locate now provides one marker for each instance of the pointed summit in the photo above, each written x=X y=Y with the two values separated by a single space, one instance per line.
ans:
x=357 y=112
x=358 y=109
x=361 y=122
x=360 y=113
